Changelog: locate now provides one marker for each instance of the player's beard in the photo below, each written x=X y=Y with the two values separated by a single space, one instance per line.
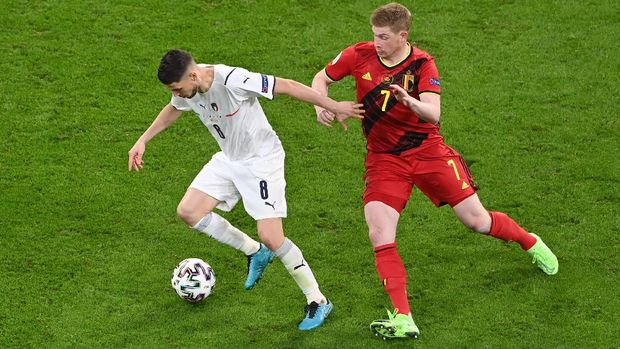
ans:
x=194 y=92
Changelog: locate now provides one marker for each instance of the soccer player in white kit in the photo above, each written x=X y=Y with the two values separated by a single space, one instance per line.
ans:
x=250 y=165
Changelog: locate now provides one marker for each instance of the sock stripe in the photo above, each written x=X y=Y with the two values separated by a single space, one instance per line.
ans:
x=492 y=223
x=284 y=248
x=203 y=223
x=385 y=247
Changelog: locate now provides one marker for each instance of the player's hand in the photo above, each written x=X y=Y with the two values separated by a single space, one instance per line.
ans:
x=345 y=110
x=342 y=117
x=325 y=116
x=401 y=95
x=135 y=156
x=399 y=92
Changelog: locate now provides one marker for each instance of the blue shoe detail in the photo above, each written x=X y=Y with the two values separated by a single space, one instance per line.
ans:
x=257 y=263
x=315 y=315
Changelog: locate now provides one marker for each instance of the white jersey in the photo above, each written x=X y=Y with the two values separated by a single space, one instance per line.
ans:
x=232 y=113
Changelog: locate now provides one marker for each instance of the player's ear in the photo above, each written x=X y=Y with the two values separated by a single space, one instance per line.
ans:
x=193 y=75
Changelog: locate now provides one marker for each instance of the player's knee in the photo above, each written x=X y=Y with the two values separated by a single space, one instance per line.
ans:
x=270 y=232
x=187 y=214
x=378 y=236
x=271 y=244
x=479 y=223
x=271 y=239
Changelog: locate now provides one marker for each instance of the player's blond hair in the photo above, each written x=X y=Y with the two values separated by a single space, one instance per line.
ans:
x=393 y=15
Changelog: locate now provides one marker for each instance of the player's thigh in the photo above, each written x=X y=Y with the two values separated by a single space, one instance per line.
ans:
x=214 y=180
x=196 y=200
x=263 y=197
x=444 y=180
x=387 y=180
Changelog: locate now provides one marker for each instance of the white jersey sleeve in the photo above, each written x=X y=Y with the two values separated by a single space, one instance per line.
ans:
x=180 y=103
x=245 y=84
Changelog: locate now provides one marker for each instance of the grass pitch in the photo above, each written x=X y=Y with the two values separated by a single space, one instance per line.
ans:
x=530 y=98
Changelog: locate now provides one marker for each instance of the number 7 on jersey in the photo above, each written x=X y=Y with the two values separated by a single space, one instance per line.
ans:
x=387 y=94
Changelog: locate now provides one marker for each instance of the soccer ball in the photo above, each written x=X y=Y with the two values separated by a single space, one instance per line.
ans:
x=193 y=279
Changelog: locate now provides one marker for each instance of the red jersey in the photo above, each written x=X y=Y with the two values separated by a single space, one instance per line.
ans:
x=389 y=126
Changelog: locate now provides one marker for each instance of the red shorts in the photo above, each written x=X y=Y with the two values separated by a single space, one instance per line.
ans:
x=438 y=171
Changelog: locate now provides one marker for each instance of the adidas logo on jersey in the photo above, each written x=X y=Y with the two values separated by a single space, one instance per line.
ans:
x=367 y=76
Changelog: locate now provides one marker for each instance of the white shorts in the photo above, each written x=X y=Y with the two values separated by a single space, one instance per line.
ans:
x=261 y=185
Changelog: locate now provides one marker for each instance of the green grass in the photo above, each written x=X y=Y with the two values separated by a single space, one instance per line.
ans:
x=530 y=98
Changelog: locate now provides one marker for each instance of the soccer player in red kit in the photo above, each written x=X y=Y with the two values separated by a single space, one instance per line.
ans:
x=400 y=88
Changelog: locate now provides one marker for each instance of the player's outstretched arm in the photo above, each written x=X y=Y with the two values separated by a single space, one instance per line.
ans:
x=343 y=110
x=166 y=117
x=321 y=83
x=428 y=107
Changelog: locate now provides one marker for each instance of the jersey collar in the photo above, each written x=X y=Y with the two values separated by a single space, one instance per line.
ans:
x=383 y=63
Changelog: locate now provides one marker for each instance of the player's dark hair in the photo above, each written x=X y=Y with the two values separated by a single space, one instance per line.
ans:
x=393 y=15
x=173 y=65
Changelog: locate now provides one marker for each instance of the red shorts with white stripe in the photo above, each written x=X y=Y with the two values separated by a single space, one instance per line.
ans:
x=437 y=170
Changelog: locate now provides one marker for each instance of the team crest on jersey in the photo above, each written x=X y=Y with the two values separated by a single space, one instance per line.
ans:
x=387 y=79
x=435 y=81
x=214 y=107
x=408 y=82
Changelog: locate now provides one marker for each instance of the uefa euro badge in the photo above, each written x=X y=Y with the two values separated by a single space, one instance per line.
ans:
x=387 y=79
x=408 y=82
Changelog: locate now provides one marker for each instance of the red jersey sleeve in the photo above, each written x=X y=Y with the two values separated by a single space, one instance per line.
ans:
x=342 y=65
x=429 y=77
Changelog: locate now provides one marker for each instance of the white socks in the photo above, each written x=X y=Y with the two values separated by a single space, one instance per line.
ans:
x=294 y=262
x=221 y=230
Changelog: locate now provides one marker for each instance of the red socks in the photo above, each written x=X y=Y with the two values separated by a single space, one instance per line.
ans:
x=393 y=275
x=503 y=227
x=392 y=271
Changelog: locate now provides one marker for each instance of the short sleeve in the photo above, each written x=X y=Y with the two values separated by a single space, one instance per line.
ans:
x=179 y=103
x=342 y=65
x=429 y=78
x=245 y=84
